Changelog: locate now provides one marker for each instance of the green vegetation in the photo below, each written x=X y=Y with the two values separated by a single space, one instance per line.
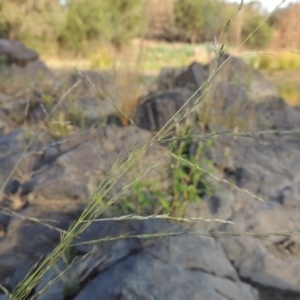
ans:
x=252 y=18
x=83 y=26
x=186 y=184
x=51 y=27
x=281 y=61
x=201 y=21
x=37 y=23
x=188 y=173
x=104 y=20
x=197 y=19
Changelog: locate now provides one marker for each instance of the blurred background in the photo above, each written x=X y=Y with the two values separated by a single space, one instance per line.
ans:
x=151 y=34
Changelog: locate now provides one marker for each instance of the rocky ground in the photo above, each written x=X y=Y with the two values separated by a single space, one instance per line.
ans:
x=59 y=171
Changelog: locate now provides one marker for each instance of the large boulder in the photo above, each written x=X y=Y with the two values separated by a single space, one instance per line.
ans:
x=52 y=172
x=269 y=168
x=173 y=268
x=230 y=103
x=157 y=110
x=236 y=72
x=191 y=77
x=56 y=181
x=170 y=91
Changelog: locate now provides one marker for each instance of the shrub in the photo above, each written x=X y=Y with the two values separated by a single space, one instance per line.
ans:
x=37 y=23
x=254 y=17
x=197 y=19
x=103 y=20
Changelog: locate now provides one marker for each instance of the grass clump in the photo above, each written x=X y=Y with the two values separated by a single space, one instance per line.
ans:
x=186 y=184
x=186 y=173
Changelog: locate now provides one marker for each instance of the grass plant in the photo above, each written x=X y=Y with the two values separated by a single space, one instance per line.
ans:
x=96 y=206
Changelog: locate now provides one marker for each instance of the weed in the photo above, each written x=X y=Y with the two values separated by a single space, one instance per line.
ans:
x=187 y=185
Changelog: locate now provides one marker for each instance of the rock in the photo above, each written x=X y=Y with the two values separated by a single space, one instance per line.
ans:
x=235 y=71
x=149 y=279
x=165 y=80
x=17 y=255
x=7 y=46
x=93 y=152
x=6 y=125
x=264 y=166
x=171 y=78
x=267 y=167
x=22 y=58
x=93 y=107
x=227 y=98
x=198 y=268
x=11 y=147
x=20 y=109
x=16 y=52
x=157 y=110
x=67 y=283
x=51 y=173
x=272 y=262
x=275 y=113
x=193 y=77
x=34 y=71
x=12 y=150
x=56 y=179
x=231 y=103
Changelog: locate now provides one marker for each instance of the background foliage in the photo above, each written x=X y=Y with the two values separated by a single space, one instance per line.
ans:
x=48 y=26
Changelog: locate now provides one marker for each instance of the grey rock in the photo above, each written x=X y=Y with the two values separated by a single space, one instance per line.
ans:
x=272 y=262
x=173 y=268
x=93 y=107
x=236 y=72
x=267 y=167
x=17 y=52
x=191 y=77
x=6 y=125
x=165 y=81
x=141 y=276
x=29 y=240
x=11 y=147
x=195 y=75
x=275 y=113
x=93 y=152
x=22 y=58
x=67 y=282
x=31 y=72
x=157 y=110
x=9 y=47
x=12 y=152
x=227 y=97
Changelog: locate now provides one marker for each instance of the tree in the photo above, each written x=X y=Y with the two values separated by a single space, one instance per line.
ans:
x=199 y=20
x=31 y=21
x=103 y=20
x=253 y=17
